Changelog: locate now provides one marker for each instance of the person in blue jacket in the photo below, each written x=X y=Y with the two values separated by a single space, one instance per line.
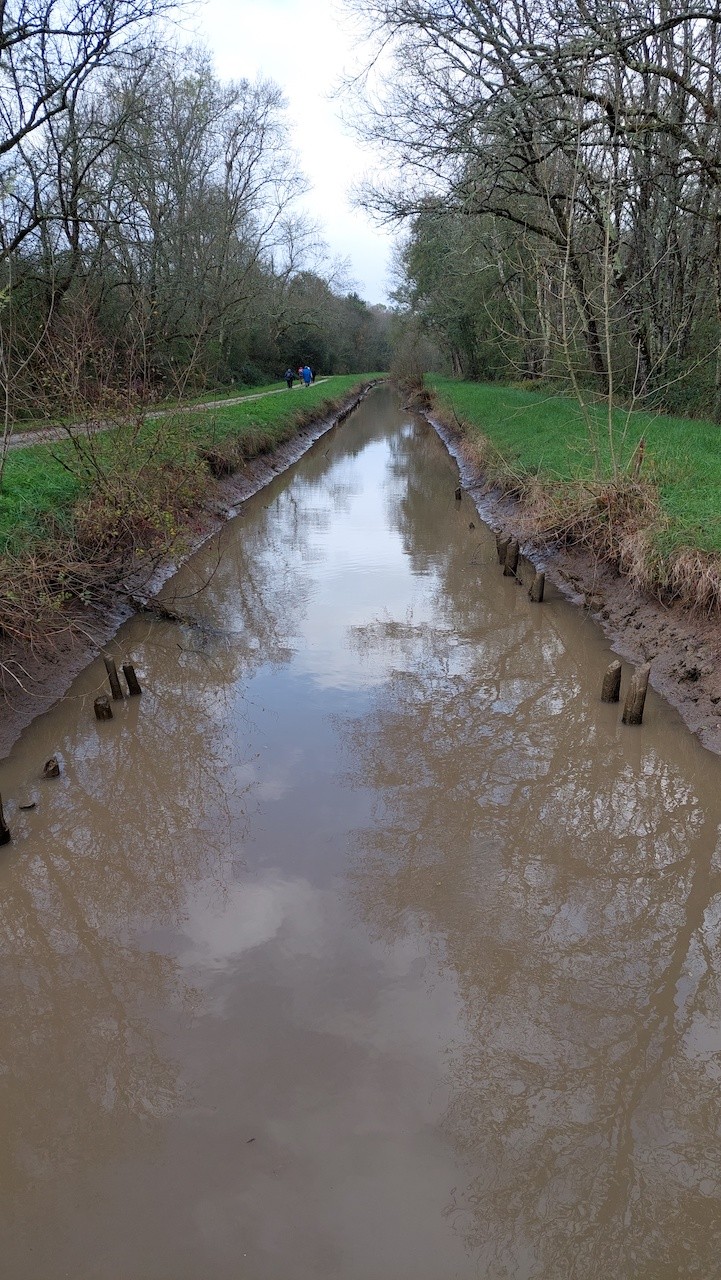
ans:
x=307 y=375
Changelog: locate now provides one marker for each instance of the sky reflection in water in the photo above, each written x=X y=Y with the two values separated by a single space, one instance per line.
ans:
x=368 y=943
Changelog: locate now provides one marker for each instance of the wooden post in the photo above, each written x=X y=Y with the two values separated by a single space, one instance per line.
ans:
x=612 y=683
x=132 y=680
x=502 y=547
x=103 y=709
x=458 y=494
x=537 y=588
x=5 y=836
x=636 y=696
x=112 y=671
x=511 y=562
x=51 y=768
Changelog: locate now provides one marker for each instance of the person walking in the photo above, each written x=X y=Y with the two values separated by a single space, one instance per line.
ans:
x=307 y=375
x=290 y=378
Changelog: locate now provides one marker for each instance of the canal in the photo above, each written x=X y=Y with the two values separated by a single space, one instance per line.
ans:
x=367 y=944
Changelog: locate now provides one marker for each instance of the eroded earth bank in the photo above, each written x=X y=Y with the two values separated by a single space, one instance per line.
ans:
x=682 y=645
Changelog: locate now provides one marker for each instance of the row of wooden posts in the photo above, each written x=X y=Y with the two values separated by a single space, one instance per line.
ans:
x=102 y=705
x=103 y=711
x=637 y=690
x=508 y=553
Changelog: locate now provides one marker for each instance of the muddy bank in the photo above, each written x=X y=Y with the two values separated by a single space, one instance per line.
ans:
x=33 y=681
x=684 y=648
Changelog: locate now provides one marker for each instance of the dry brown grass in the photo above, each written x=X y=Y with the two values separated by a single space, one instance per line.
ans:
x=617 y=522
x=694 y=579
x=59 y=587
x=57 y=591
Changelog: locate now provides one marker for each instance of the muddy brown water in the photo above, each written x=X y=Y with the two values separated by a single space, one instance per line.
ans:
x=367 y=944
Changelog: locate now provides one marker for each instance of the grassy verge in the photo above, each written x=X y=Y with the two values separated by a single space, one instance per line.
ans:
x=656 y=513
x=43 y=483
x=209 y=396
x=79 y=515
x=222 y=393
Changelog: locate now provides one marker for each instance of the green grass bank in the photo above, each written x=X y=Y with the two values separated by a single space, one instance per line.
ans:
x=81 y=516
x=643 y=489
x=44 y=483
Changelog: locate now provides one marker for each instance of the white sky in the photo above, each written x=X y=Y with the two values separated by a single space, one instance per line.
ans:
x=304 y=46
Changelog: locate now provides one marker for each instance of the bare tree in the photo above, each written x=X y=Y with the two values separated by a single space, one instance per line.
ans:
x=48 y=49
x=591 y=131
x=200 y=196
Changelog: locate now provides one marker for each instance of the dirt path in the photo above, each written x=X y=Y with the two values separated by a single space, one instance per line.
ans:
x=47 y=435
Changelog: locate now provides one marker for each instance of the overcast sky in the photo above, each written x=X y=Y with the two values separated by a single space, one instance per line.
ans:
x=304 y=45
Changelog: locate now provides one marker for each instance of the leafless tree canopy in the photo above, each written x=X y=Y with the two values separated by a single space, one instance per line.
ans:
x=562 y=161
x=149 y=229
x=49 y=47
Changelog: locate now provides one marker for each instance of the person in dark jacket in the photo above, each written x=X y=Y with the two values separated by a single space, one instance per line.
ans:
x=290 y=378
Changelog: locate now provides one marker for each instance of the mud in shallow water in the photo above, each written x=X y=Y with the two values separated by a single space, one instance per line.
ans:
x=367 y=943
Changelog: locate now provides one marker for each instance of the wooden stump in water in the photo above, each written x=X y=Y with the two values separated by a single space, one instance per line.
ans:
x=51 y=768
x=458 y=494
x=114 y=679
x=103 y=709
x=132 y=680
x=612 y=683
x=537 y=588
x=510 y=563
x=5 y=836
x=636 y=696
x=502 y=547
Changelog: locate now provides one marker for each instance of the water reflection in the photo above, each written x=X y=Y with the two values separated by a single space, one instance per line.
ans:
x=571 y=875
x=367 y=943
x=122 y=891
x=100 y=878
x=111 y=846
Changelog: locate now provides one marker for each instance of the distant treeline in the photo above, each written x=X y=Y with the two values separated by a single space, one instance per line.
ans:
x=149 y=241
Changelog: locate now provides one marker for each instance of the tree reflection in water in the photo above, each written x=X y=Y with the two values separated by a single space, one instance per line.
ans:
x=95 y=895
x=571 y=877
x=80 y=991
x=566 y=873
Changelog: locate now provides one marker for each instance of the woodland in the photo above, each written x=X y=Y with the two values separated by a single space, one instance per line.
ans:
x=557 y=166
x=150 y=240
